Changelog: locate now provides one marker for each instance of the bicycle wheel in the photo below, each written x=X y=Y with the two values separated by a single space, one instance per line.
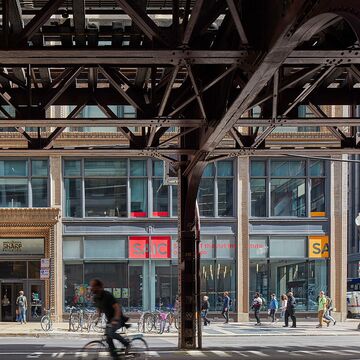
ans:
x=75 y=322
x=137 y=349
x=99 y=324
x=94 y=350
x=45 y=323
x=149 y=322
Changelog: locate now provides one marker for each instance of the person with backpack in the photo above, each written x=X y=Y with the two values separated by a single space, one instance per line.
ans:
x=321 y=310
x=273 y=306
x=256 y=306
x=205 y=306
x=328 y=310
x=226 y=307
x=22 y=305
x=290 y=310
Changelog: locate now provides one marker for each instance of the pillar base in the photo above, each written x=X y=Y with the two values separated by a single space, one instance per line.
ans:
x=242 y=317
x=339 y=316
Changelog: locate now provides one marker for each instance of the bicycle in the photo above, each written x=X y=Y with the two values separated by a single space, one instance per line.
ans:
x=46 y=321
x=99 y=349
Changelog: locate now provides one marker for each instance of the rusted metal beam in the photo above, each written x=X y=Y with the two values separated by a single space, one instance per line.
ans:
x=142 y=20
x=78 y=7
x=196 y=90
x=236 y=17
x=195 y=13
x=66 y=57
x=38 y=20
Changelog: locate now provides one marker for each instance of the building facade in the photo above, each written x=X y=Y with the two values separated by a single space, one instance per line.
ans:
x=267 y=224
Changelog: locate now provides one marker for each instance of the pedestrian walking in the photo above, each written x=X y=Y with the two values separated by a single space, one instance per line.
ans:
x=226 y=307
x=205 y=306
x=283 y=305
x=22 y=305
x=329 y=308
x=290 y=310
x=256 y=306
x=322 y=310
x=273 y=306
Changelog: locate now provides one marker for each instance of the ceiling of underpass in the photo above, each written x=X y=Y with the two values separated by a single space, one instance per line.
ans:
x=208 y=79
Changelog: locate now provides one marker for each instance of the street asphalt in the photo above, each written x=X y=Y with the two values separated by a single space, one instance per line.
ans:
x=232 y=347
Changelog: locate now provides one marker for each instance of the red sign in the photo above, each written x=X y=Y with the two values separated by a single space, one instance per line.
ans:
x=145 y=247
x=138 y=247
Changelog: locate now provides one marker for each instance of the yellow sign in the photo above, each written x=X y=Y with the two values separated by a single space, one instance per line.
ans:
x=319 y=247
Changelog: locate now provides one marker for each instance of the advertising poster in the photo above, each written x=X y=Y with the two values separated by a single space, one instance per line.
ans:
x=117 y=293
x=125 y=293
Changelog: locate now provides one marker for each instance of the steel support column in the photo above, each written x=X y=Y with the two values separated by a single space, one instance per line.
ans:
x=189 y=276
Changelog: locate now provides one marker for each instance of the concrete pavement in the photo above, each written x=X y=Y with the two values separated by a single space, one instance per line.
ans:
x=216 y=329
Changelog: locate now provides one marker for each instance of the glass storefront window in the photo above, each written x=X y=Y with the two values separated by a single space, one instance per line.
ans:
x=317 y=195
x=174 y=200
x=73 y=283
x=116 y=167
x=34 y=269
x=114 y=277
x=39 y=192
x=225 y=197
x=138 y=168
x=293 y=184
x=72 y=167
x=105 y=197
x=160 y=198
x=138 y=197
x=104 y=248
x=13 y=269
x=39 y=168
x=287 y=168
x=73 y=203
x=11 y=168
x=287 y=247
x=206 y=197
x=288 y=197
x=72 y=247
x=258 y=248
x=258 y=197
x=13 y=193
x=225 y=168
x=136 y=280
x=258 y=168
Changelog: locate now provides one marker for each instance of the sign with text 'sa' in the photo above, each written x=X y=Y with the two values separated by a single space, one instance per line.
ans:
x=319 y=247
x=146 y=247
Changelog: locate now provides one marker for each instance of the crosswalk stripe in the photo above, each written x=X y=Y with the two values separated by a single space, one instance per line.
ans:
x=258 y=353
x=241 y=354
x=153 y=353
x=335 y=352
x=196 y=353
x=307 y=352
x=220 y=353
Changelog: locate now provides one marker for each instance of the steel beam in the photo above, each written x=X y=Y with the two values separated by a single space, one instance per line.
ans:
x=119 y=122
x=79 y=22
x=314 y=121
x=195 y=13
x=62 y=57
x=236 y=17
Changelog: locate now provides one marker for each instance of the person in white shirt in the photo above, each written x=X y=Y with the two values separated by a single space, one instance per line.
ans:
x=256 y=306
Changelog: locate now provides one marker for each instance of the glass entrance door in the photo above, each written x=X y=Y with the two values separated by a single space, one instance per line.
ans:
x=9 y=294
x=36 y=296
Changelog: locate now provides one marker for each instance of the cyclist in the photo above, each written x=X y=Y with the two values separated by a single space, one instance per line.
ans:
x=106 y=303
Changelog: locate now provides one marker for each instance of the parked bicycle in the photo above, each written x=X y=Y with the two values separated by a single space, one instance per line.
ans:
x=98 y=349
x=46 y=321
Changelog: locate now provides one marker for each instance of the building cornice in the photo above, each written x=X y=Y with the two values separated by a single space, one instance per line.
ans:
x=29 y=216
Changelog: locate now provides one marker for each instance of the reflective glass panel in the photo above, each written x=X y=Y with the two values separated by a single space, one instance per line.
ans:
x=74 y=287
x=288 y=247
x=225 y=168
x=13 y=269
x=73 y=206
x=72 y=248
x=287 y=168
x=160 y=198
x=34 y=269
x=209 y=171
x=174 y=201
x=137 y=167
x=206 y=197
x=139 y=197
x=258 y=197
x=13 y=168
x=258 y=168
x=158 y=168
x=258 y=248
x=105 y=197
x=225 y=197
x=39 y=192
x=317 y=168
x=72 y=168
x=318 y=195
x=39 y=167
x=116 y=167
x=14 y=192
x=288 y=197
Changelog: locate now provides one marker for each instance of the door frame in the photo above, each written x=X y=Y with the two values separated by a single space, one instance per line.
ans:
x=12 y=282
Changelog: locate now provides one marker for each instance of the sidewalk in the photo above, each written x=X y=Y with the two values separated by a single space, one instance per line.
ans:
x=304 y=328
